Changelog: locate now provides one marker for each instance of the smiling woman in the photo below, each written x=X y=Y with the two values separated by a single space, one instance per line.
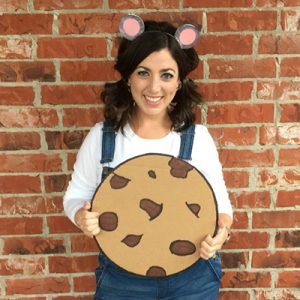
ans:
x=150 y=110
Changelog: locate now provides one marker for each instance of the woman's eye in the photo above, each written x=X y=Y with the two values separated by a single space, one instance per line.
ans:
x=167 y=75
x=142 y=73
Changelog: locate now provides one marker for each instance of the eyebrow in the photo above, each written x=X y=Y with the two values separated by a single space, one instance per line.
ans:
x=163 y=70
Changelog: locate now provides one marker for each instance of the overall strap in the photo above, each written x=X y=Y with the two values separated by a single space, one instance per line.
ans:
x=108 y=147
x=186 y=143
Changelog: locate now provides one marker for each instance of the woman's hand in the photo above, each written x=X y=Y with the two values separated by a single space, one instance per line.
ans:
x=209 y=245
x=87 y=221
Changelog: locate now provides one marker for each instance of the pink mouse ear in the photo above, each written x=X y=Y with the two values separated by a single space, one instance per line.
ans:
x=187 y=35
x=131 y=26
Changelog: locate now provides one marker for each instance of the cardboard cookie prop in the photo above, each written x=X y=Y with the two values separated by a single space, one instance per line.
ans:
x=154 y=212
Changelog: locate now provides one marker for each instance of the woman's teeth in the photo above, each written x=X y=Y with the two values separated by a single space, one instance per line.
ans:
x=152 y=99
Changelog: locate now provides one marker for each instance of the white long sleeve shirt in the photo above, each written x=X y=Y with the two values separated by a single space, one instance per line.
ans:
x=88 y=169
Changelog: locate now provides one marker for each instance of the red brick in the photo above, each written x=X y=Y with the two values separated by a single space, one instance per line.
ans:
x=290 y=112
x=75 y=264
x=230 y=295
x=275 y=219
x=289 y=134
x=287 y=239
x=288 y=279
x=29 y=205
x=243 y=279
x=74 y=94
x=15 y=48
x=88 y=71
x=33 y=245
x=19 y=141
x=242 y=68
x=217 y=3
x=255 y=199
x=242 y=113
x=290 y=67
x=288 y=198
x=82 y=116
x=147 y=4
x=241 y=21
x=268 y=3
x=233 y=136
x=88 y=23
x=56 y=183
x=57 y=140
x=61 y=224
x=40 y=285
x=13 y=5
x=267 y=178
x=288 y=43
x=20 y=184
x=235 y=259
x=67 y=4
x=278 y=90
x=246 y=158
x=248 y=240
x=225 y=44
x=292 y=176
x=29 y=118
x=71 y=47
x=10 y=163
x=82 y=243
x=84 y=284
x=226 y=91
x=277 y=294
x=278 y=259
x=26 y=24
x=240 y=220
x=17 y=95
x=236 y=179
x=289 y=157
x=22 y=266
x=12 y=226
x=291 y=2
x=71 y=160
x=290 y=20
x=23 y=298
x=27 y=71
x=198 y=73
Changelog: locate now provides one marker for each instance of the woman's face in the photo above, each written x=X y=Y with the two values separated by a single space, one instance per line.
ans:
x=154 y=84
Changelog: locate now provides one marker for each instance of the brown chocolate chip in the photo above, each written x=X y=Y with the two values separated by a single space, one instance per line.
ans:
x=152 y=174
x=118 y=182
x=156 y=271
x=131 y=240
x=182 y=247
x=108 y=221
x=151 y=208
x=194 y=208
x=179 y=168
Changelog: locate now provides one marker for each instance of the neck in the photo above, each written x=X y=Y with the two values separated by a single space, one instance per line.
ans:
x=151 y=128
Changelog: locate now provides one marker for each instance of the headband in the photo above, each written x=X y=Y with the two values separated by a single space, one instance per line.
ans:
x=131 y=26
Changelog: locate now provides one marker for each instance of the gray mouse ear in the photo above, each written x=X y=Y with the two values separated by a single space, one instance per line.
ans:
x=187 y=35
x=131 y=26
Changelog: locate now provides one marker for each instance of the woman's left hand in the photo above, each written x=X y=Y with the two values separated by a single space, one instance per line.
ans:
x=210 y=245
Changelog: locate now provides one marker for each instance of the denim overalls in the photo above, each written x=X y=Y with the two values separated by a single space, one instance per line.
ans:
x=201 y=281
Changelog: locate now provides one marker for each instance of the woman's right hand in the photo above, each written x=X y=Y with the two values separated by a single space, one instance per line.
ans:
x=87 y=221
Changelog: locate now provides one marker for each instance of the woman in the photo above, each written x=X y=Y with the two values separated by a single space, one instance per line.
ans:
x=148 y=108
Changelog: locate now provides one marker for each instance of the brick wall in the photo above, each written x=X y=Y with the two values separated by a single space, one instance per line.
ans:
x=55 y=56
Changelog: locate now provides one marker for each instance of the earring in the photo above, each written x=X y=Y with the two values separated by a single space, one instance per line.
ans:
x=128 y=88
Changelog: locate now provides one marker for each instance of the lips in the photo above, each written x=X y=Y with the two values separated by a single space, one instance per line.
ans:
x=153 y=100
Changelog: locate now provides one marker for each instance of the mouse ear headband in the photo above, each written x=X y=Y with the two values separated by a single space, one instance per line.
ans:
x=131 y=26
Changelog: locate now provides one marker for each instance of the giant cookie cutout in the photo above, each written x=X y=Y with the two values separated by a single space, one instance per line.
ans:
x=154 y=212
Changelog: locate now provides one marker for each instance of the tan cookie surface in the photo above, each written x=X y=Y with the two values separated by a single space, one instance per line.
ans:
x=154 y=212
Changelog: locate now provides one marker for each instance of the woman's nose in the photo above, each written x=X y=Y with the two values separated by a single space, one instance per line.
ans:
x=154 y=84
